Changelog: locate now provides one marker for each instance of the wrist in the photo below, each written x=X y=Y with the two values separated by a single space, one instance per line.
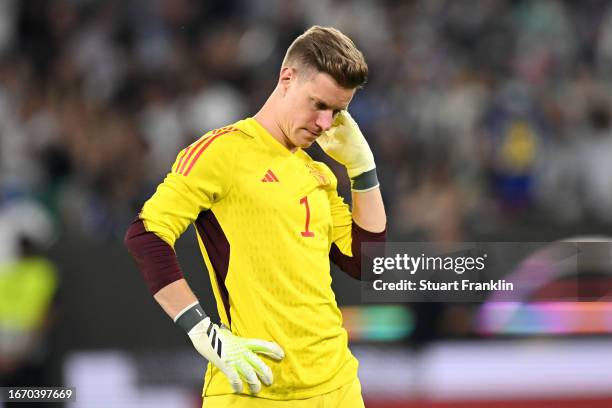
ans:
x=366 y=181
x=190 y=316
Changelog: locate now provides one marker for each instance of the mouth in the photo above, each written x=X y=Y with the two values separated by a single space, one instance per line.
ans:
x=313 y=134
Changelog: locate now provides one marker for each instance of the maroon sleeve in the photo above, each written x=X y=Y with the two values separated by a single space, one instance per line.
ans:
x=156 y=259
x=351 y=265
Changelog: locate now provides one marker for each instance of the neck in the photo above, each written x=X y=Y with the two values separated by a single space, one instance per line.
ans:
x=266 y=117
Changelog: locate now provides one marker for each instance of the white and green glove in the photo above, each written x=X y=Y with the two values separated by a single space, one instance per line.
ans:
x=345 y=143
x=235 y=356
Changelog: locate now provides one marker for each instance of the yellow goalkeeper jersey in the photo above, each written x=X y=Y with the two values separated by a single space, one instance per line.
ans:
x=265 y=219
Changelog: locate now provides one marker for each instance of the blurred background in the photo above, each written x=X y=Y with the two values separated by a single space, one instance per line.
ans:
x=490 y=121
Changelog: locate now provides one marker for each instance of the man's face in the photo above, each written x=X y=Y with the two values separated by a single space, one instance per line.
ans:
x=310 y=102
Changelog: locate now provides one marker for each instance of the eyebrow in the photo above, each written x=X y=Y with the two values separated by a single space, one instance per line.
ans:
x=327 y=106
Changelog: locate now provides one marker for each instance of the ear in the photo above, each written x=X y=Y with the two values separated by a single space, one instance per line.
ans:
x=286 y=77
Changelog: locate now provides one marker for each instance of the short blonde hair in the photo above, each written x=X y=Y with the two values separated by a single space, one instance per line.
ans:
x=328 y=50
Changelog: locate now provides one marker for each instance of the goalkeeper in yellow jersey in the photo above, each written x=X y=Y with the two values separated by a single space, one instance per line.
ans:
x=269 y=221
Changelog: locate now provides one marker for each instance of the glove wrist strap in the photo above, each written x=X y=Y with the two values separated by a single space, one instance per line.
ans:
x=365 y=181
x=190 y=316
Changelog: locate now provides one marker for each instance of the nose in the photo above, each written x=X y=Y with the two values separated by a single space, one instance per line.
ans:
x=324 y=119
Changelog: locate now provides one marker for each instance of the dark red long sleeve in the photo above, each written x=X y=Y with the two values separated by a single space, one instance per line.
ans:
x=156 y=259
x=351 y=265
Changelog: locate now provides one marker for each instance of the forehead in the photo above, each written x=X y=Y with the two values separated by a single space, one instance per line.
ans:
x=323 y=88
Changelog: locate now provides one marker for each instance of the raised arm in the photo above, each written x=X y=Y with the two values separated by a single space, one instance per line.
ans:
x=345 y=143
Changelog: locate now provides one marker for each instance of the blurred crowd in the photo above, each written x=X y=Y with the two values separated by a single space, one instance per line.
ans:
x=481 y=114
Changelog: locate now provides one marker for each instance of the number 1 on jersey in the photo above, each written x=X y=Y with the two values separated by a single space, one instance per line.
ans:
x=306 y=232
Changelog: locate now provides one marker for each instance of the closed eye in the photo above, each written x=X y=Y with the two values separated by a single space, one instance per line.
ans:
x=323 y=106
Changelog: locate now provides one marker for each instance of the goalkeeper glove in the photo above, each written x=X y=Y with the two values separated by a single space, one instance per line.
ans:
x=345 y=143
x=233 y=355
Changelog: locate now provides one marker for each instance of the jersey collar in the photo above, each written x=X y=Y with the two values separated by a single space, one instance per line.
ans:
x=255 y=129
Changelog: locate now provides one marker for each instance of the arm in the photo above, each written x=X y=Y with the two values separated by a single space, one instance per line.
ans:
x=150 y=239
x=231 y=354
x=175 y=297
x=369 y=210
x=345 y=143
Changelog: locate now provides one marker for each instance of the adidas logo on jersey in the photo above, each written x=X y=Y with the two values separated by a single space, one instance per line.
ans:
x=270 y=177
